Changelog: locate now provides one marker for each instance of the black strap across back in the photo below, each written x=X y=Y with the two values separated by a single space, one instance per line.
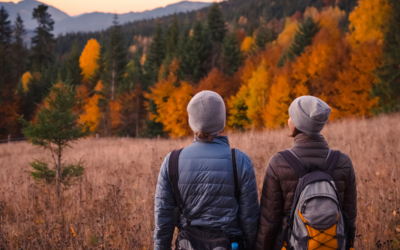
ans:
x=301 y=170
x=173 y=175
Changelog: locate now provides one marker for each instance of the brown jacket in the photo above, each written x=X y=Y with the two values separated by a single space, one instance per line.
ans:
x=280 y=183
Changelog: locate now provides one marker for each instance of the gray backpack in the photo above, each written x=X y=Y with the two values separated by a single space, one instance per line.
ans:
x=316 y=220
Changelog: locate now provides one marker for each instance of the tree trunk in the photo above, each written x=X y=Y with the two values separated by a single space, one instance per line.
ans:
x=58 y=172
x=137 y=111
x=113 y=82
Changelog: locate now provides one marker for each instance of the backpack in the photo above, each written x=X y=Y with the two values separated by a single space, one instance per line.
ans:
x=316 y=220
x=193 y=237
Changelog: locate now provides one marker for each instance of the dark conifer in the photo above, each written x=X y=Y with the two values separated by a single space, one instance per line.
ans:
x=230 y=54
x=43 y=41
x=388 y=87
x=216 y=24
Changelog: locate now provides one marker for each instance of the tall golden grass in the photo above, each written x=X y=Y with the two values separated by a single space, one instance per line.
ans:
x=111 y=206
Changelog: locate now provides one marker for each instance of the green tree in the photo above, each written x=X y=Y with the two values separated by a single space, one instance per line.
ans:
x=56 y=128
x=18 y=50
x=216 y=23
x=302 y=39
x=230 y=54
x=388 y=87
x=5 y=39
x=116 y=58
x=172 y=40
x=43 y=41
x=5 y=28
x=263 y=37
x=74 y=71
x=196 y=54
x=156 y=55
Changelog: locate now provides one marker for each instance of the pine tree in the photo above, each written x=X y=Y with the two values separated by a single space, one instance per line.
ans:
x=302 y=39
x=43 y=41
x=116 y=58
x=57 y=126
x=18 y=50
x=74 y=71
x=263 y=37
x=156 y=55
x=5 y=39
x=197 y=52
x=172 y=40
x=5 y=28
x=216 y=24
x=231 y=54
x=388 y=87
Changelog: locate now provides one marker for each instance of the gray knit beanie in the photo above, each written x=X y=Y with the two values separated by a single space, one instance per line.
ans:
x=207 y=113
x=309 y=114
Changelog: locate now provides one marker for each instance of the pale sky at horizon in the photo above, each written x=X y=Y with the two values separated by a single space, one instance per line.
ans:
x=77 y=7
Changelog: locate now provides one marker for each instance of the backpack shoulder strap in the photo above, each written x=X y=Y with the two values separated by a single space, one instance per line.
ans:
x=173 y=176
x=235 y=175
x=331 y=162
x=294 y=162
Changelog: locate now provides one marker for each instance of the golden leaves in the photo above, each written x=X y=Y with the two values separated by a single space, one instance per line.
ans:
x=88 y=59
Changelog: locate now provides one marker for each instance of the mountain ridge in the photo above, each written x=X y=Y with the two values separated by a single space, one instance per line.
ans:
x=94 y=21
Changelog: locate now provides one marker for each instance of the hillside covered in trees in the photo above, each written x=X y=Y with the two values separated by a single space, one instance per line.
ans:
x=136 y=79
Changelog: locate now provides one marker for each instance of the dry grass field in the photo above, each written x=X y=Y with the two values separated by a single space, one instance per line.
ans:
x=111 y=206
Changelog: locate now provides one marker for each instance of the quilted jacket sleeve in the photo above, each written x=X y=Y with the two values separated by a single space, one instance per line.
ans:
x=350 y=199
x=249 y=209
x=164 y=205
x=271 y=209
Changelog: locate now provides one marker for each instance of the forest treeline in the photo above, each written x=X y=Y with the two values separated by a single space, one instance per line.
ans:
x=258 y=58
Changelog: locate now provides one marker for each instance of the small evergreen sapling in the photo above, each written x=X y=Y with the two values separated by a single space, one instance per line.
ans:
x=56 y=128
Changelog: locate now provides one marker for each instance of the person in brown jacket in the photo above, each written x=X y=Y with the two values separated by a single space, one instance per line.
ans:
x=308 y=116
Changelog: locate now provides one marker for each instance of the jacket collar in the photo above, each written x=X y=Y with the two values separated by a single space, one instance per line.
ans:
x=310 y=141
x=220 y=139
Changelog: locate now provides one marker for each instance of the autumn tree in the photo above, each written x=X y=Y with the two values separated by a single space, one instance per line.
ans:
x=388 y=87
x=88 y=60
x=303 y=38
x=356 y=81
x=171 y=98
x=368 y=20
x=92 y=112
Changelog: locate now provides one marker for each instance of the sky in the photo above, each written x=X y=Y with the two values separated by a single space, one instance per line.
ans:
x=77 y=7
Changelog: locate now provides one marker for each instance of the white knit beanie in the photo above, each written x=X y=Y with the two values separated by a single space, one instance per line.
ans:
x=207 y=113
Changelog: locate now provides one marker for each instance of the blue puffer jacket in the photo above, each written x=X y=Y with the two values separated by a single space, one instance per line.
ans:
x=206 y=185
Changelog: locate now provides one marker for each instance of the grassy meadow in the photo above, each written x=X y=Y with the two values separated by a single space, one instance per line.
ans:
x=111 y=206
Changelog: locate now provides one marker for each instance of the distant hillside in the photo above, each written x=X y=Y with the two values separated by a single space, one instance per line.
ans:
x=99 y=21
x=91 y=21
x=253 y=11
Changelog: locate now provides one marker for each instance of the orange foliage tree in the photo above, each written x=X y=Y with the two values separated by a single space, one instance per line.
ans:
x=171 y=98
x=92 y=113
x=88 y=59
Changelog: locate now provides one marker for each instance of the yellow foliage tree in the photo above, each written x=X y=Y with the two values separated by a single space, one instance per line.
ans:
x=26 y=79
x=92 y=114
x=248 y=45
x=329 y=17
x=237 y=107
x=258 y=93
x=115 y=108
x=276 y=111
x=171 y=98
x=368 y=21
x=88 y=59
x=287 y=35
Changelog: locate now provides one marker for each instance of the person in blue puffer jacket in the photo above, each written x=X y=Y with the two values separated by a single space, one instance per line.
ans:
x=206 y=181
